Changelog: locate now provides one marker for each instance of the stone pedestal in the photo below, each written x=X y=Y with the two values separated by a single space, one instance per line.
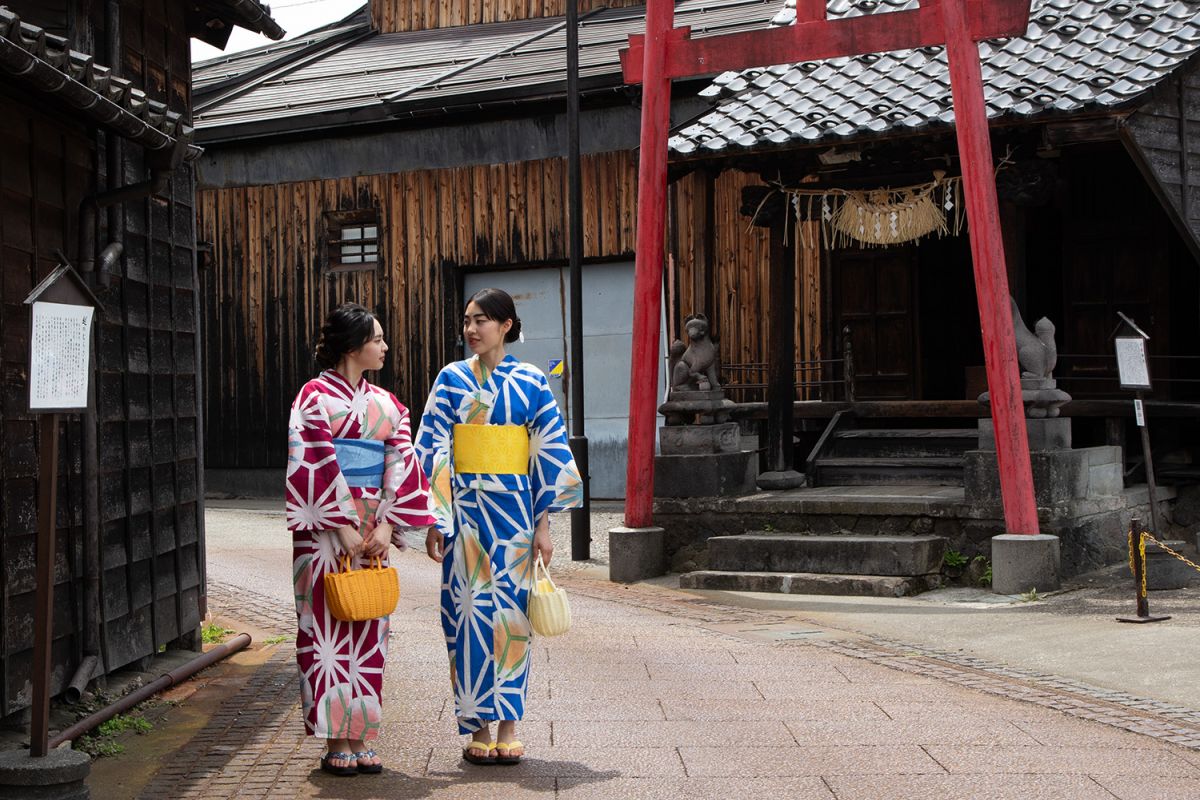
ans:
x=1023 y=563
x=701 y=452
x=675 y=440
x=1047 y=433
x=635 y=554
x=60 y=774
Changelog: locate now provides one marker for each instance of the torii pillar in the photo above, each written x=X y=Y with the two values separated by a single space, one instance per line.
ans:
x=665 y=53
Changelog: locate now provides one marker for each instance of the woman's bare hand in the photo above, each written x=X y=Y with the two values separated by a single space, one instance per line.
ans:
x=435 y=544
x=375 y=543
x=349 y=540
x=542 y=544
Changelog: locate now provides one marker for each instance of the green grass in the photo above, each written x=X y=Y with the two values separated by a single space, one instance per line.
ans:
x=102 y=742
x=985 y=578
x=212 y=633
x=278 y=639
x=122 y=723
x=1031 y=596
x=954 y=559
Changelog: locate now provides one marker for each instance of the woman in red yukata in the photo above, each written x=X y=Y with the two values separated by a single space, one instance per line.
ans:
x=353 y=487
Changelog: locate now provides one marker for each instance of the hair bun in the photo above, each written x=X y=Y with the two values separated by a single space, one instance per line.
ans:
x=514 y=332
x=347 y=328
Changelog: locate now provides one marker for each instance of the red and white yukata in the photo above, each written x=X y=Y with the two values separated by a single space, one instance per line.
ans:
x=341 y=663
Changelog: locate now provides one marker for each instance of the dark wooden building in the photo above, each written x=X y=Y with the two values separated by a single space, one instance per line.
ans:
x=1092 y=117
x=437 y=140
x=95 y=150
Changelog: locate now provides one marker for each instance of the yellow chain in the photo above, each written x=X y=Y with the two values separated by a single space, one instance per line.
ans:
x=1141 y=554
x=1180 y=556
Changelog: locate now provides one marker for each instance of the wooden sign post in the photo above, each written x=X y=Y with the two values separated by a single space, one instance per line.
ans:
x=62 y=310
x=1133 y=369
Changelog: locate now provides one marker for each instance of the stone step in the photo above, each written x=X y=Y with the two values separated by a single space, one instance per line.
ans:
x=808 y=583
x=891 y=471
x=902 y=442
x=837 y=555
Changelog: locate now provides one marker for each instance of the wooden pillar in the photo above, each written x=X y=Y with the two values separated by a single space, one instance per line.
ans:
x=776 y=213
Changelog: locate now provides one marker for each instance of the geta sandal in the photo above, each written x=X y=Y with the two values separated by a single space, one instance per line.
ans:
x=504 y=754
x=483 y=761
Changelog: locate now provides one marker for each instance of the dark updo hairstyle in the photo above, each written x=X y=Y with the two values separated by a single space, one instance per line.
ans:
x=347 y=328
x=497 y=304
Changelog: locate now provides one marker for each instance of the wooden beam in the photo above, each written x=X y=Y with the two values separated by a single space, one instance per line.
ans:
x=815 y=38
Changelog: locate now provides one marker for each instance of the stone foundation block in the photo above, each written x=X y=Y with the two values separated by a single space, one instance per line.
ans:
x=1021 y=563
x=706 y=475
x=635 y=554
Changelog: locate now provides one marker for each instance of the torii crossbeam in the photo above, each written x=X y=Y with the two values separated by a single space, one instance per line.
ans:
x=666 y=52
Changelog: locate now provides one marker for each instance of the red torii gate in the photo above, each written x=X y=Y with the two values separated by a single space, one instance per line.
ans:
x=666 y=52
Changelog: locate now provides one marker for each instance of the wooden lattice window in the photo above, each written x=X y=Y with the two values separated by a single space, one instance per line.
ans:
x=352 y=240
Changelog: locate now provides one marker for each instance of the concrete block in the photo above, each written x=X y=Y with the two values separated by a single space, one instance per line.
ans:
x=707 y=475
x=1059 y=477
x=1021 y=563
x=839 y=555
x=635 y=554
x=1165 y=572
x=60 y=774
x=1105 y=480
x=689 y=440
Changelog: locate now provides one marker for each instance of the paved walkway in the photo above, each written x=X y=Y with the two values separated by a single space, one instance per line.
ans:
x=655 y=693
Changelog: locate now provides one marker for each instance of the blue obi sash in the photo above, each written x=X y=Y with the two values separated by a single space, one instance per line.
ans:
x=361 y=462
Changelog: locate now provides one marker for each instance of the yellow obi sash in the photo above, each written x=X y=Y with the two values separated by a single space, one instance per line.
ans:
x=491 y=449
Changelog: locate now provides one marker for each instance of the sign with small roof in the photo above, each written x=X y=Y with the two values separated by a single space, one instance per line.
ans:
x=1133 y=365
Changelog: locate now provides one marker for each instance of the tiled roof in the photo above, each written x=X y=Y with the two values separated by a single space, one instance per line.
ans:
x=393 y=74
x=45 y=63
x=1077 y=56
x=254 y=16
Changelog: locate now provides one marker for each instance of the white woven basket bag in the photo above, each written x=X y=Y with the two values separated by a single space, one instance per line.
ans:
x=549 y=611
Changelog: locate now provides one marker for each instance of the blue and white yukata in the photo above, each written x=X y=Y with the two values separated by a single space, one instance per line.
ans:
x=488 y=521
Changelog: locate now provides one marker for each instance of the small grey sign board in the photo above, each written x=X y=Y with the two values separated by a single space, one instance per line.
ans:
x=1132 y=364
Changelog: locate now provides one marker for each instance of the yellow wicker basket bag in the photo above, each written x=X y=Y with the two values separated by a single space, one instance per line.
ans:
x=355 y=595
x=549 y=611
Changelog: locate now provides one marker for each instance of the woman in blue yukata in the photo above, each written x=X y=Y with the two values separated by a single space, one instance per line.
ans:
x=494 y=446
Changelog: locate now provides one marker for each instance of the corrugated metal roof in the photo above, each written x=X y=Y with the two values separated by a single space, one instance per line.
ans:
x=215 y=73
x=1077 y=56
x=451 y=67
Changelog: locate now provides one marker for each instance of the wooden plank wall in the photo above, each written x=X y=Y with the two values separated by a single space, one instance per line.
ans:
x=265 y=295
x=390 y=16
x=740 y=306
x=1166 y=142
x=38 y=196
x=148 y=397
x=150 y=523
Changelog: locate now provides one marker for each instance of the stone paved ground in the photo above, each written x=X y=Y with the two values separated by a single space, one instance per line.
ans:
x=655 y=693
